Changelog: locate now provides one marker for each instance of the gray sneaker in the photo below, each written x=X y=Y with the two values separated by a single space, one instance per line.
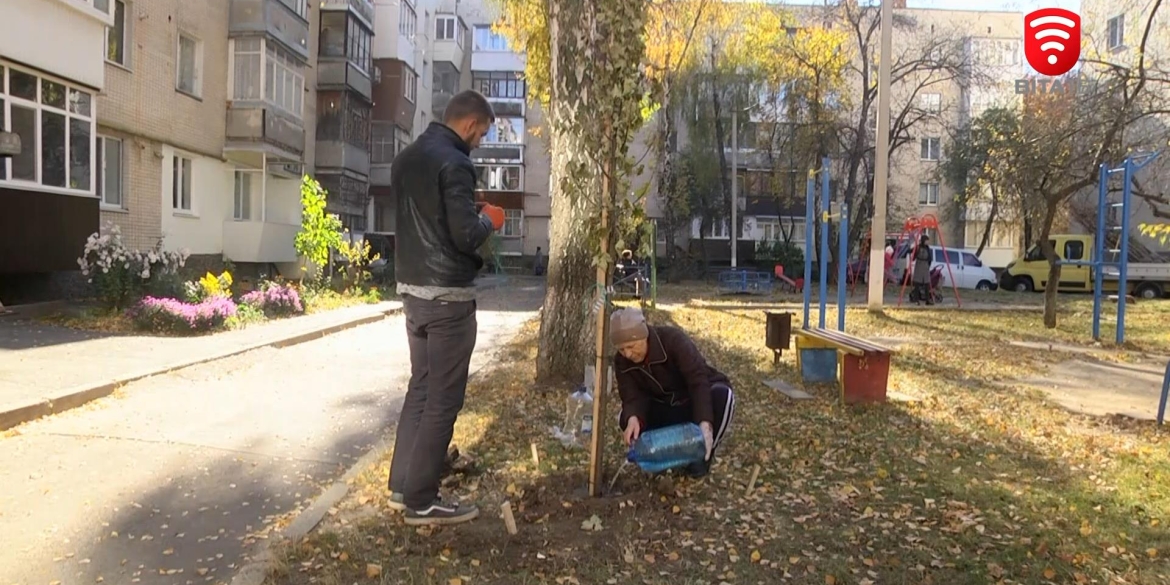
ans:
x=441 y=513
x=397 y=502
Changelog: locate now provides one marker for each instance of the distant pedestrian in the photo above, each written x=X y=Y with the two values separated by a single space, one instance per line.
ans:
x=922 y=261
x=538 y=264
x=439 y=231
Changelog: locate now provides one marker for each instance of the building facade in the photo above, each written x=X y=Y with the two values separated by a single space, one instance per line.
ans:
x=49 y=99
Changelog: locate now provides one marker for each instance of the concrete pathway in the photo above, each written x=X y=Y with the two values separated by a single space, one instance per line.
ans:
x=173 y=479
x=1103 y=388
x=46 y=368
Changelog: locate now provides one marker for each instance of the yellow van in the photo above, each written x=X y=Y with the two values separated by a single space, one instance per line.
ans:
x=1030 y=273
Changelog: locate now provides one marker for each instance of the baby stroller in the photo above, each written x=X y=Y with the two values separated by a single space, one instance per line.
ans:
x=921 y=293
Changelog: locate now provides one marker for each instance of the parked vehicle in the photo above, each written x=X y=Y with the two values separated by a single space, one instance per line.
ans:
x=965 y=266
x=1147 y=280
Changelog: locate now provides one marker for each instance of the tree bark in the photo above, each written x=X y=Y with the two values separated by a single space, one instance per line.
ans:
x=720 y=140
x=1053 y=283
x=990 y=221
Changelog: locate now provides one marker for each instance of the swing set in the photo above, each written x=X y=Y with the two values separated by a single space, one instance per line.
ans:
x=905 y=245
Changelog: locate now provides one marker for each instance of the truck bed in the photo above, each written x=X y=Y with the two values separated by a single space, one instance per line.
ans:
x=1142 y=271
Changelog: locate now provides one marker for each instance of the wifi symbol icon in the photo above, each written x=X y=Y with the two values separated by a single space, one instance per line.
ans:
x=1052 y=40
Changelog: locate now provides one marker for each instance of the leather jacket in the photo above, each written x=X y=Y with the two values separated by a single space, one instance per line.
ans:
x=438 y=229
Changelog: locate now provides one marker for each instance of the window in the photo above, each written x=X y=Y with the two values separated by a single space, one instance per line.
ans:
x=110 y=171
x=953 y=257
x=359 y=45
x=499 y=177
x=659 y=232
x=499 y=84
x=717 y=230
x=407 y=20
x=247 y=65
x=101 y=5
x=382 y=143
x=284 y=81
x=513 y=223
x=487 y=40
x=245 y=182
x=1074 y=250
x=505 y=131
x=56 y=128
x=344 y=36
x=931 y=102
x=300 y=7
x=1116 y=27
x=770 y=226
x=446 y=28
x=180 y=183
x=928 y=194
x=117 y=36
x=343 y=116
x=410 y=85
x=971 y=260
x=931 y=148
x=190 y=65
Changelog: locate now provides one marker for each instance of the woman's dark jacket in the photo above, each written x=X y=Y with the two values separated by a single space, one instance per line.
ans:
x=674 y=373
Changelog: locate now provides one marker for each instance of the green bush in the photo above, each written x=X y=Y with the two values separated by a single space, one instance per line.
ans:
x=786 y=254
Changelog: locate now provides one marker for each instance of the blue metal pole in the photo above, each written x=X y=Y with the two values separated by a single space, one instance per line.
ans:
x=1123 y=262
x=809 y=217
x=842 y=264
x=824 y=221
x=1165 y=394
x=1099 y=250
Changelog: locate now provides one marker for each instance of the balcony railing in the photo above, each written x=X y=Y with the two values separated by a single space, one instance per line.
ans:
x=273 y=18
x=363 y=8
x=262 y=123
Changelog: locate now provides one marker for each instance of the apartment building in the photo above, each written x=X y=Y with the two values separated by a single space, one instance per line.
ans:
x=48 y=99
x=1113 y=30
x=990 y=43
x=345 y=99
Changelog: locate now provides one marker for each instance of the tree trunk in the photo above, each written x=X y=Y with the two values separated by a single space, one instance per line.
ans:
x=990 y=221
x=720 y=140
x=1053 y=266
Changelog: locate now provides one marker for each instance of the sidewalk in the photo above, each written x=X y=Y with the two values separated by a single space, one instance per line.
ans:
x=45 y=369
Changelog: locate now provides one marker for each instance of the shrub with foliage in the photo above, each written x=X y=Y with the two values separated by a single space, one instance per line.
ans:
x=121 y=276
x=786 y=254
x=173 y=316
x=208 y=287
x=275 y=300
x=320 y=231
x=358 y=259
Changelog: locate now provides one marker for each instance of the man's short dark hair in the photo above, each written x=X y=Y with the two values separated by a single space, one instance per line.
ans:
x=467 y=104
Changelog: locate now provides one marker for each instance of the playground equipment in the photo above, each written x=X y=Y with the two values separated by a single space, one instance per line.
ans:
x=810 y=220
x=861 y=368
x=1165 y=394
x=1120 y=263
x=913 y=229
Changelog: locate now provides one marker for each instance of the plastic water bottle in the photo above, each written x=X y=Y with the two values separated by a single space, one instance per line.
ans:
x=668 y=448
x=579 y=415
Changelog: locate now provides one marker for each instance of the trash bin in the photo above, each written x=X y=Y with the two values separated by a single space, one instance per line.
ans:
x=778 y=334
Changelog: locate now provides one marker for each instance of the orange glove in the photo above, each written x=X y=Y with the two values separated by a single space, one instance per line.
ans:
x=494 y=213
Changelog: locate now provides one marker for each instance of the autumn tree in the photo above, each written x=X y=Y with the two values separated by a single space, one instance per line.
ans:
x=978 y=166
x=1069 y=134
x=585 y=62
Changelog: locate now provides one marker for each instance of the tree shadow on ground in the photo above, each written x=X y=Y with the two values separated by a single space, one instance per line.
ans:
x=886 y=493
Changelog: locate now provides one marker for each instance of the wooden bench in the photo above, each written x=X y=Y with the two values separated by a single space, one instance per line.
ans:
x=861 y=368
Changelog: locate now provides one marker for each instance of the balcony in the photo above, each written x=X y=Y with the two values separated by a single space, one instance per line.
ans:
x=341 y=74
x=259 y=241
x=364 y=9
x=266 y=129
x=335 y=154
x=274 y=18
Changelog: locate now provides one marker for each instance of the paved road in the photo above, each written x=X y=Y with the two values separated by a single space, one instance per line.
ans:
x=172 y=479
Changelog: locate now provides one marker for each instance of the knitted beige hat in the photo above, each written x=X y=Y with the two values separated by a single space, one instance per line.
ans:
x=626 y=325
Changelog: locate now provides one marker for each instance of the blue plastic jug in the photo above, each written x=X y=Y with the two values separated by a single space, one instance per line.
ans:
x=668 y=448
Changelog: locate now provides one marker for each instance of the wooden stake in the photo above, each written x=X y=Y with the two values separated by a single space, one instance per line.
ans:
x=535 y=456
x=602 y=371
x=509 y=519
x=752 y=481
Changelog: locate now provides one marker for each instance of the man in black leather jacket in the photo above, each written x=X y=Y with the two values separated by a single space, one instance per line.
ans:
x=439 y=230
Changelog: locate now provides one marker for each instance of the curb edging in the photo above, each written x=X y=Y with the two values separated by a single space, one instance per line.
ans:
x=79 y=396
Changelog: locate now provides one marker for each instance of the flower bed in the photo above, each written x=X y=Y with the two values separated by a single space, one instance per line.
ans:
x=275 y=300
x=173 y=316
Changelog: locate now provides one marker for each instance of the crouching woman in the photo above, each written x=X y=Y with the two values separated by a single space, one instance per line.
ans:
x=663 y=380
